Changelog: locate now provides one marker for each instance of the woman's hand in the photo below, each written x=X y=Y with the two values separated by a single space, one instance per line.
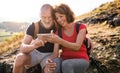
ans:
x=90 y=44
x=53 y=38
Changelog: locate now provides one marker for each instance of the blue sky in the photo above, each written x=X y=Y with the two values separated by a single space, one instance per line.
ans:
x=28 y=10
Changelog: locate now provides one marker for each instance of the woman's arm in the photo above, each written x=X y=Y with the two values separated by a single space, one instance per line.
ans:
x=74 y=46
x=55 y=52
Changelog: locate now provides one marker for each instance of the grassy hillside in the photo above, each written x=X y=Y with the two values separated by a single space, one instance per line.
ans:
x=109 y=6
x=106 y=40
x=109 y=12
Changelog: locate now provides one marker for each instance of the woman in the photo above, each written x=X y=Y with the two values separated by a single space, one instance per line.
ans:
x=74 y=54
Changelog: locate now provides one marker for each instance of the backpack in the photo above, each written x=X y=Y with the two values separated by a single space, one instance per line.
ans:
x=36 y=30
x=77 y=30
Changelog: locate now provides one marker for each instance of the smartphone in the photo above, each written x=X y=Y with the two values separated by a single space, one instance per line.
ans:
x=41 y=36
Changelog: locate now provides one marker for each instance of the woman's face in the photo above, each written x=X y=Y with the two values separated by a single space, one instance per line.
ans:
x=61 y=19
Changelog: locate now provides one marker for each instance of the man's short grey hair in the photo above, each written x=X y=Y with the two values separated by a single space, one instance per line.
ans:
x=46 y=6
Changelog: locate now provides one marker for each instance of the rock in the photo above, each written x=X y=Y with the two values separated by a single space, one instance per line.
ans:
x=116 y=21
x=7 y=68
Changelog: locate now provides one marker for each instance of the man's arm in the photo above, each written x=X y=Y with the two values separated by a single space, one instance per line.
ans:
x=28 y=45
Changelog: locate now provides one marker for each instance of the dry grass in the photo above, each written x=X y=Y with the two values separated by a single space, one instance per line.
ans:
x=9 y=44
x=100 y=28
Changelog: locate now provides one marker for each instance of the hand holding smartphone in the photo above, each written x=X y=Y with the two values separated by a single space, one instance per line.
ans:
x=44 y=36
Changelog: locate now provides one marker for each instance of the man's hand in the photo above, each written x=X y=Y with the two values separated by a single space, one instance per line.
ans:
x=37 y=43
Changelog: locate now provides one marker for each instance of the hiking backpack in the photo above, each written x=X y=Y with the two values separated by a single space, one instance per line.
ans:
x=77 y=30
x=36 y=30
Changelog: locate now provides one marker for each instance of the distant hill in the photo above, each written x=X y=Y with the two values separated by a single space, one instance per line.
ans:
x=109 y=12
x=13 y=26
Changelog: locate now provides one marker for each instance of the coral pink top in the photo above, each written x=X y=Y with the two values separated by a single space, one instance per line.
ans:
x=70 y=54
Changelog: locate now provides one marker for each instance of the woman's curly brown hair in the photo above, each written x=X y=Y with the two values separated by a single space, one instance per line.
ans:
x=65 y=9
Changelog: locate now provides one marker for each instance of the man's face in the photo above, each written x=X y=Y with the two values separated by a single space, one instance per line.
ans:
x=46 y=18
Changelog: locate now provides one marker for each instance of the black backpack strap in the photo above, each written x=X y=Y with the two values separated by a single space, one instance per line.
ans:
x=59 y=32
x=60 y=35
x=77 y=26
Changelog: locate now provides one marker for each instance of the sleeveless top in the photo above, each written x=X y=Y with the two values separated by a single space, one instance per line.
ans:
x=70 y=54
x=48 y=46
